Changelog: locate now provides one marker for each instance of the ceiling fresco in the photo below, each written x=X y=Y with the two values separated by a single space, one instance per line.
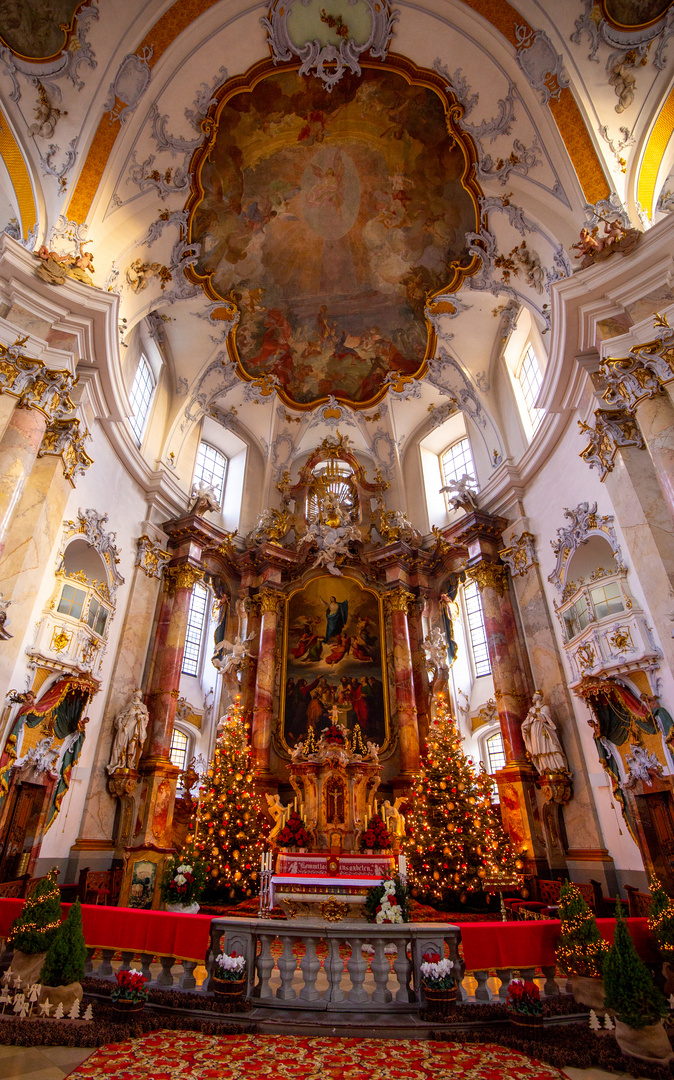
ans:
x=634 y=13
x=329 y=220
x=37 y=29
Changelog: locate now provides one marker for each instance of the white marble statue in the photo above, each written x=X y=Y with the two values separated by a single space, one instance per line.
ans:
x=297 y=752
x=229 y=658
x=373 y=752
x=332 y=543
x=393 y=819
x=130 y=731
x=541 y=739
x=462 y=493
x=203 y=499
x=278 y=811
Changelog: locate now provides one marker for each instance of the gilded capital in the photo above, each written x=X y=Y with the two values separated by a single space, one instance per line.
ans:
x=643 y=372
x=150 y=556
x=613 y=428
x=270 y=601
x=489 y=575
x=182 y=577
x=35 y=385
x=398 y=599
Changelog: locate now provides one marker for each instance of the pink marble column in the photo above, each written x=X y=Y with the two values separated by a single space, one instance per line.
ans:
x=249 y=674
x=655 y=416
x=18 y=451
x=419 y=672
x=168 y=658
x=503 y=649
x=397 y=603
x=263 y=705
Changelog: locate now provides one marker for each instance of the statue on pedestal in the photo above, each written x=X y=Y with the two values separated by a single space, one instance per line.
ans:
x=130 y=731
x=541 y=739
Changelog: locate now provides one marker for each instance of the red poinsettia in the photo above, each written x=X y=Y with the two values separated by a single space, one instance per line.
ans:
x=294 y=832
x=130 y=986
x=525 y=998
x=376 y=835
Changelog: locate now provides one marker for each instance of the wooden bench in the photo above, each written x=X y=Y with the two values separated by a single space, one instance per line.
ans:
x=639 y=903
x=100 y=886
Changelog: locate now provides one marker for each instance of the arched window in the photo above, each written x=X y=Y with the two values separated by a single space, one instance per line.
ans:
x=178 y=749
x=495 y=752
x=455 y=463
x=210 y=468
x=332 y=486
x=476 y=630
x=141 y=396
x=195 y=630
x=530 y=378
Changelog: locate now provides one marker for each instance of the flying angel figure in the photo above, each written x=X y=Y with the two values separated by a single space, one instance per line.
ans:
x=230 y=664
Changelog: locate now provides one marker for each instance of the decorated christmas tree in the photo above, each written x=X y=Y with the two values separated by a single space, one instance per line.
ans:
x=33 y=930
x=67 y=953
x=581 y=950
x=228 y=826
x=455 y=842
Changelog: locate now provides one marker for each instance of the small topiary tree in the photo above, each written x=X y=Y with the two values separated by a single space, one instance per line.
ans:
x=629 y=987
x=67 y=953
x=32 y=931
x=661 y=918
x=581 y=949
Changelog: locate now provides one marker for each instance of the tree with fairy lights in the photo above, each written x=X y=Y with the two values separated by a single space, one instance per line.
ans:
x=228 y=825
x=35 y=928
x=455 y=842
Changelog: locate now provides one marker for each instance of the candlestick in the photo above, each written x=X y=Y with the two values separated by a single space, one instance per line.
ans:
x=296 y=802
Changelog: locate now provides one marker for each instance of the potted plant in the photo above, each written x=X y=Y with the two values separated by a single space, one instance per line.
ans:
x=376 y=836
x=63 y=968
x=388 y=902
x=294 y=833
x=638 y=1005
x=524 y=1004
x=182 y=884
x=130 y=994
x=581 y=949
x=438 y=983
x=661 y=926
x=228 y=977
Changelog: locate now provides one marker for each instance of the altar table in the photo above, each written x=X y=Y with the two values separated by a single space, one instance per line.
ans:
x=319 y=886
x=490 y=945
x=289 y=862
x=162 y=933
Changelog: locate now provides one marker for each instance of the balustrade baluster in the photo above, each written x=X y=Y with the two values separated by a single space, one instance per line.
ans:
x=381 y=969
x=105 y=967
x=88 y=963
x=550 y=987
x=188 y=982
x=482 y=993
x=504 y=974
x=127 y=958
x=265 y=966
x=287 y=966
x=310 y=966
x=145 y=961
x=165 y=978
x=335 y=970
x=403 y=969
x=527 y=974
x=357 y=968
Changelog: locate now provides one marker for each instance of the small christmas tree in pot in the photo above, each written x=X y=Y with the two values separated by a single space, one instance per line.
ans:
x=63 y=968
x=33 y=930
x=581 y=949
x=638 y=1005
x=661 y=926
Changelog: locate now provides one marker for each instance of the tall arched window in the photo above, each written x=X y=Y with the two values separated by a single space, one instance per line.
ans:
x=141 y=396
x=530 y=378
x=195 y=630
x=178 y=749
x=476 y=630
x=455 y=463
x=211 y=468
x=495 y=752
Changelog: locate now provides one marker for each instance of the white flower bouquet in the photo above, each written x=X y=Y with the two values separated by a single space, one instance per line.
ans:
x=230 y=967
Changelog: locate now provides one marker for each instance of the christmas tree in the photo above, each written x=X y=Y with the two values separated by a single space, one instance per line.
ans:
x=32 y=931
x=629 y=986
x=581 y=950
x=67 y=953
x=228 y=826
x=455 y=841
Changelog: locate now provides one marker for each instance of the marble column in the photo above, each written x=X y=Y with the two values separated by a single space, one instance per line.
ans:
x=270 y=606
x=396 y=604
x=18 y=451
x=419 y=673
x=164 y=687
x=249 y=673
x=655 y=416
x=516 y=782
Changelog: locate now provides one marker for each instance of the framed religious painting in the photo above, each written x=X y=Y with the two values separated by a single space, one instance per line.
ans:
x=333 y=662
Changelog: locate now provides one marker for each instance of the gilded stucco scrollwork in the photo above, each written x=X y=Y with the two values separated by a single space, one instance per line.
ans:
x=521 y=555
x=488 y=575
x=150 y=556
x=613 y=428
x=584 y=522
x=64 y=439
x=34 y=384
x=643 y=372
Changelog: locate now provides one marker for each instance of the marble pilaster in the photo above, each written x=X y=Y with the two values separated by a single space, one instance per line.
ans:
x=270 y=606
x=397 y=603
x=655 y=416
x=249 y=673
x=419 y=672
x=18 y=452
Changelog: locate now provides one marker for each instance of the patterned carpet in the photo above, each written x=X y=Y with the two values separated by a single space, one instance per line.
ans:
x=190 y=1056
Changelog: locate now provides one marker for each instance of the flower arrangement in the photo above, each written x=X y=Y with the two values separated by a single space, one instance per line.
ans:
x=130 y=986
x=230 y=967
x=294 y=832
x=524 y=998
x=335 y=734
x=376 y=836
x=389 y=902
x=436 y=972
x=183 y=880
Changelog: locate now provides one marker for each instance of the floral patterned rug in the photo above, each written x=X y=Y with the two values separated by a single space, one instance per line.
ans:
x=172 y=1055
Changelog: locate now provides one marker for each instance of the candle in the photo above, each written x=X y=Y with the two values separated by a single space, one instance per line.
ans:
x=295 y=806
x=402 y=865
x=375 y=806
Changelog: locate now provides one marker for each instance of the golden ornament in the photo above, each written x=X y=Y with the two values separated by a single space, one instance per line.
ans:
x=482 y=873
x=237 y=875
x=446 y=851
x=443 y=785
x=436 y=875
x=450 y=806
x=471 y=800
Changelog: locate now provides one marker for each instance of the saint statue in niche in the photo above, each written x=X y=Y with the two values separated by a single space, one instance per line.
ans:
x=541 y=739
x=334 y=801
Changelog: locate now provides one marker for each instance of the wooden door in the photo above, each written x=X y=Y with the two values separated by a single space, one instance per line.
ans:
x=656 y=811
x=24 y=821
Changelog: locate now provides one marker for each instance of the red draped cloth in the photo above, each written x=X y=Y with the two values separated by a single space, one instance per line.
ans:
x=532 y=943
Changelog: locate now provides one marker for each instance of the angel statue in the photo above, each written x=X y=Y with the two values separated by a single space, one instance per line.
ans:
x=231 y=663
x=437 y=666
x=393 y=819
x=278 y=811
x=463 y=493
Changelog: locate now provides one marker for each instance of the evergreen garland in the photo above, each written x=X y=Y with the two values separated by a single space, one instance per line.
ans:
x=581 y=950
x=629 y=987
x=33 y=930
x=67 y=953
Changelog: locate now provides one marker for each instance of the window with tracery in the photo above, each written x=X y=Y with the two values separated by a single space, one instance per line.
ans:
x=333 y=494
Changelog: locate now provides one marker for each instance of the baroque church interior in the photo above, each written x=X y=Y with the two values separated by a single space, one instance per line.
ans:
x=336 y=388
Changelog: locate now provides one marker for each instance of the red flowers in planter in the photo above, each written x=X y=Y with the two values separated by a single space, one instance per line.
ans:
x=335 y=734
x=376 y=835
x=524 y=998
x=130 y=986
x=294 y=833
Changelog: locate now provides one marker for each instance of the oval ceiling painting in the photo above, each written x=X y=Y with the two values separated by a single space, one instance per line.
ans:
x=328 y=219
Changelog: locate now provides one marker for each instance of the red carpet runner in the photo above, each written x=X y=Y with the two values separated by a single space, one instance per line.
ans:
x=191 y=1056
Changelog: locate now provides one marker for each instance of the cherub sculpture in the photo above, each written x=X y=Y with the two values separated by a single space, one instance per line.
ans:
x=231 y=663
x=463 y=493
x=203 y=499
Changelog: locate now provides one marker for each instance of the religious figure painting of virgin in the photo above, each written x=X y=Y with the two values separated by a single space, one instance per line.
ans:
x=327 y=220
x=333 y=661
